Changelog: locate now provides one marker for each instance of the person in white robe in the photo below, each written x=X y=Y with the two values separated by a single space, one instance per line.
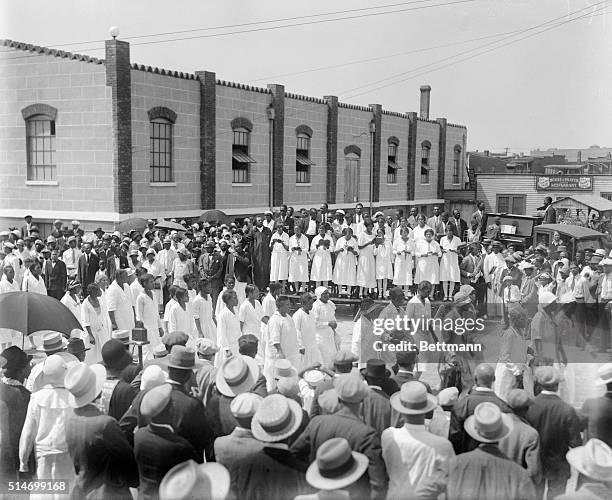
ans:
x=179 y=317
x=8 y=283
x=306 y=327
x=283 y=334
x=366 y=266
x=324 y=313
x=202 y=310
x=320 y=252
x=268 y=304
x=71 y=299
x=32 y=281
x=156 y=269
x=492 y=267
x=147 y=312
x=279 y=260
x=427 y=253
x=345 y=268
x=397 y=232
x=418 y=231
x=449 y=264
x=230 y=283
x=403 y=251
x=298 y=260
x=251 y=313
x=228 y=327
x=95 y=320
x=383 y=253
x=119 y=302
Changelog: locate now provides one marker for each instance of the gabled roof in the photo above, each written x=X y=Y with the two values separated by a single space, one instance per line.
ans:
x=590 y=200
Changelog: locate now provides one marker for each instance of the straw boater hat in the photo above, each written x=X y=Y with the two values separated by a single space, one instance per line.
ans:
x=53 y=341
x=413 y=399
x=276 y=419
x=245 y=405
x=190 y=480
x=237 y=374
x=152 y=376
x=336 y=466
x=122 y=336
x=350 y=388
x=605 y=374
x=155 y=401
x=284 y=368
x=313 y=377
x=593 y=460
x=84 y=383
x=488 y=424
x=53 y=371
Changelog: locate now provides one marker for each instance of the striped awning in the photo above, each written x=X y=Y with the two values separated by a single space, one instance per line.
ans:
x=304 y=160
x=241 y=157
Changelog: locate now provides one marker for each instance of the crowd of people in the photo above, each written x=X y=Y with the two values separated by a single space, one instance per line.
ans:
x=238 y=395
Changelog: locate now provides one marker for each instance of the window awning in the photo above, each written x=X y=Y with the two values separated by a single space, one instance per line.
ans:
x=394 y=165
x=241 y=157
x=304 y=160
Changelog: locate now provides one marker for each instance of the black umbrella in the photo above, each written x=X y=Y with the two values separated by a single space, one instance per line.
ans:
x=136 y=224
x=28 y=313
x=214 y=216
x=172 y=226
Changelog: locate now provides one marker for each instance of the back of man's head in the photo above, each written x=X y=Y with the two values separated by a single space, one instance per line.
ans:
x=485 y=375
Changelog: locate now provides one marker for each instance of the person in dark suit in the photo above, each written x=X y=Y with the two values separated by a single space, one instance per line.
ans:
x=103 y=458
x=157 y=448
x=115 y=261
x=117 y=395
x=471 y=273
x=27 y=227
x=405 y=361
x=479 y=217
x=550 y=214
x=189 y=418
x=211 y=270
x=559 y=429
x=87 y=268
x=287 y=221
x=57 y=278
x=460 y=225
x=260 y=254
x=464 y=407
x=346 y=423
x=272 y=472
x=376 y=408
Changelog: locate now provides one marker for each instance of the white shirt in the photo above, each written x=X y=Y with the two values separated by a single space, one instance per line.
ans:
x=251 y=317
x=71 y=259
x=119 y=300
x=228 y=330
x=179 y=319
x=269 y=224
x=312 y=227
x=6 y=286
x=33 y=285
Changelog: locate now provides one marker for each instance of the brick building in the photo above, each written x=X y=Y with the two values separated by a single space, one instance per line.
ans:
x=106 y=140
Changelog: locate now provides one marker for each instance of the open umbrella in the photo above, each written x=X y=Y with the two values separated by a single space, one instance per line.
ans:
x=172 y=226
x=136 y=224
x=214 y=216
x=28 y=313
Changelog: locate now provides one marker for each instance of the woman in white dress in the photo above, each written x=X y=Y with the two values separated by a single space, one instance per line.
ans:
x=147 y=312
x=449 y=264
x=95 y=320
x=306 y=327
x=418 y=232
x=324 y=313
x=279 y=261
x=366 y=268
x=203 y=313
x=403 y=250
x=156 y=269
x=251 y=313
x=320 y=252
x=345 y=269
x=383 y=253
x=230 y=284
x=71 y=299
x=298 y=260
x=179 y=319
x=427 y=253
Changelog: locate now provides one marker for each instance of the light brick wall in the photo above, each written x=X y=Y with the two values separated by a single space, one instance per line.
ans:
x=354 y=128
x=83 y=140
x=182 y=96
x=455 y=136
x=233 y=103
x=427 y=131
x=398 y=127
x=314 y=115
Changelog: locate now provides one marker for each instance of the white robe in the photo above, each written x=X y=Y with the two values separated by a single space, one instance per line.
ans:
x=306 y=327
x=202 y=310
x=427 y=266
x=100 y=327
x=402 y=274
x=449 y=264
x=327 y=339
x=366 y=267
x=383 y=254
x=279 y=261
x=298 y=260
x=147 y=311
x=345 y=269
x=321 y=259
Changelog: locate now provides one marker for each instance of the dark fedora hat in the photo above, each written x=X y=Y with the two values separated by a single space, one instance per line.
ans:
x=375 y=368
x=76 y=346
x=115 y=356
x=182 y=357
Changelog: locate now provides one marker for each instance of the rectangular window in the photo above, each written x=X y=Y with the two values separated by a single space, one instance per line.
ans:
x=302 y=162
x=425 y=165
x=456 y=167
x=161 y=151
x=241 y=161
x=607 y=196
x=40 y=140
x=392 y=164
x=511 y=203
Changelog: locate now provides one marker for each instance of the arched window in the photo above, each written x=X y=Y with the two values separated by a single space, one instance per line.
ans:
x=40 y=142
x=302 y=159
x=425 y=166
x=241 y=161
x=456 y=164
x=392 y=166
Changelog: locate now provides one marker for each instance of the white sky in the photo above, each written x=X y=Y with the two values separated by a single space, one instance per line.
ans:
x=550 y=90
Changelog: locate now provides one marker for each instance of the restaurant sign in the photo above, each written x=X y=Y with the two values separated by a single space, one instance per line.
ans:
x=564 y=183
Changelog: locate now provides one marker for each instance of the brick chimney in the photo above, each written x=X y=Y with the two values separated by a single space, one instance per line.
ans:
x=425 y=97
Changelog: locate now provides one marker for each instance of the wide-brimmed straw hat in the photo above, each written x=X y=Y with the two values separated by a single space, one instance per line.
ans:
x=53 y=341
x=276 y=419
x=336 y=466
x=84 y=383
x=190 y=480
x=488 y=424
x=238 y=374
x=604 y=374
x=413 y=399
x=593 y=460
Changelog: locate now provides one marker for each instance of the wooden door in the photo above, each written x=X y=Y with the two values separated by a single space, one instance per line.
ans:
x=351 y=180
